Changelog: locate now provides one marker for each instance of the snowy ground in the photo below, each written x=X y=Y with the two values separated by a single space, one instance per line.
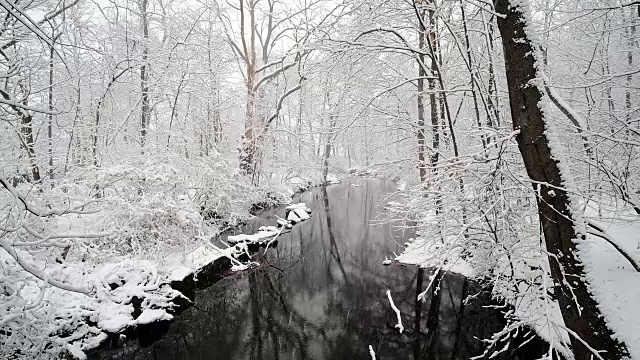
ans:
x=615 y=284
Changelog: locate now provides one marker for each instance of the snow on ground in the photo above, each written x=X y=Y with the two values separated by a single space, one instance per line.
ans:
x=614 y=282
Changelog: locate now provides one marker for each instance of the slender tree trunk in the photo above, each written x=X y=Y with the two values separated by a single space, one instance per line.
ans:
x=249 y=147
x=217 y=120
x=213 y=115
x=174 y=108
x=472 y=76
x=299 y=123
x=560 y=224
x=76 y=118
x=145 y=113
x=631 y=43
x=422 y=166
x=29 y=143
x=50 y=118
x=433 y=102
x=493 y=102
x=327 y=148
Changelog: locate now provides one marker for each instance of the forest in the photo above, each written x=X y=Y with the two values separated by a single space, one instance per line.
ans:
x=133 y=133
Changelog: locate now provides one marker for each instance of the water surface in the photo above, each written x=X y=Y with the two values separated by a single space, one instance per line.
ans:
x=320 y=294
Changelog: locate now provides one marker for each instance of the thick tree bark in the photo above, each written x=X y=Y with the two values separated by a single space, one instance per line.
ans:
x=559 y=223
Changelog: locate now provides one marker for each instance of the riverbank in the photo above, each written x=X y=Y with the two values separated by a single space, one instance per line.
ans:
x=135 y=299
x=517 y=268
x=130 y=259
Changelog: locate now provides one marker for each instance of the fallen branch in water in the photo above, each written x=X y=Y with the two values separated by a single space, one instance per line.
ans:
x=393 y=306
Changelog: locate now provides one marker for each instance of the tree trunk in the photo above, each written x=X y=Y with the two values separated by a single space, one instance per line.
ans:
x=144 y=77
x=472 y=77
x=559 y=223
x=29 y=143
x=249 y=147
x=422 y=166
x=248 y=150
x=174 y=108
x=632 y=43
x=327 y=148
x=50 y=117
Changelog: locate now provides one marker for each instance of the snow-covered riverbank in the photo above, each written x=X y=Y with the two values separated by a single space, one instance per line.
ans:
x=101 y=267
x=129 y=293
x=518 y=271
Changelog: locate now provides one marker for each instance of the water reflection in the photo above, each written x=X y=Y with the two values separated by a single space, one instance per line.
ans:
x=320 y=294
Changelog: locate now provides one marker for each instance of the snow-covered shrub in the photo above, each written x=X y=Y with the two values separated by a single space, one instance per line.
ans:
x=221 y=193
x=148 y=209
x=95 y=228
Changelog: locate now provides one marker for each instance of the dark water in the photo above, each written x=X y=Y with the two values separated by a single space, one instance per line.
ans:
x=320 y=294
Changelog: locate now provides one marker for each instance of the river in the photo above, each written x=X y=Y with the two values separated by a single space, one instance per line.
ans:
x=321 y=294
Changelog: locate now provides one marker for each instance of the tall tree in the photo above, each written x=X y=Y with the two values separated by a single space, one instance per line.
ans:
x=558 y=210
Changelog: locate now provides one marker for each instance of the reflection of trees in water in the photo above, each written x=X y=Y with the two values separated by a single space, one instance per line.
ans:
x=330 y=302
x=334 y=252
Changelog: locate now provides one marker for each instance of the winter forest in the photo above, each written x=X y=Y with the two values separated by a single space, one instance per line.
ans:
x=324 y=179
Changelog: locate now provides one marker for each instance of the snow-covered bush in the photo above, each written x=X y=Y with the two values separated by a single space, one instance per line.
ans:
x=221 y=193
x=148 y=209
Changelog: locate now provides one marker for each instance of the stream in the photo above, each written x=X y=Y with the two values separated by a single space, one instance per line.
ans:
x=321 y=294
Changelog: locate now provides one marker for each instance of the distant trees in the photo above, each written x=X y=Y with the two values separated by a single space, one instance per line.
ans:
x=270 y=40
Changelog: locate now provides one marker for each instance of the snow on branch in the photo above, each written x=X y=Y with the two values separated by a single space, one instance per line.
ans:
x=39 y=273
x=372 y=353
x=397 y=311
x=432 y=278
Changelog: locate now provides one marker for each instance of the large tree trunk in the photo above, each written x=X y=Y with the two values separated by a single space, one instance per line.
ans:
x=559 y=223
